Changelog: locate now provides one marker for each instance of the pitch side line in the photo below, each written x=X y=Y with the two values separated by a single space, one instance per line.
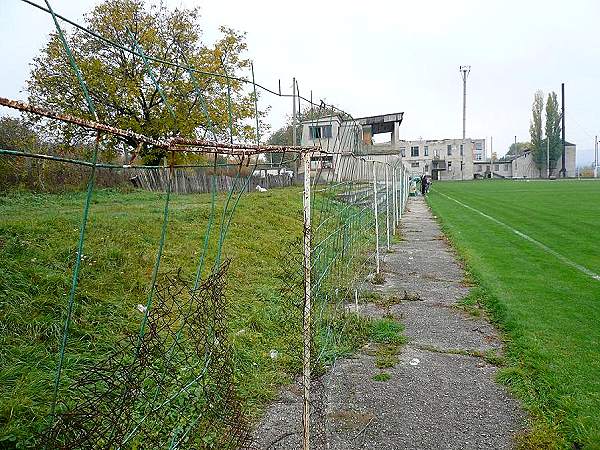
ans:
x=544 y=247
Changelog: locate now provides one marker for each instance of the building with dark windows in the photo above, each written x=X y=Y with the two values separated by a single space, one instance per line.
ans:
x=442 y=159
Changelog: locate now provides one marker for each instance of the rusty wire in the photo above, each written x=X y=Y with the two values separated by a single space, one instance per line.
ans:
x=176 y=144
x=180 y=380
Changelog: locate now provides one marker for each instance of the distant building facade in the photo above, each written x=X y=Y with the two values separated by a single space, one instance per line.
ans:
x=442 y=159
x=524 y=166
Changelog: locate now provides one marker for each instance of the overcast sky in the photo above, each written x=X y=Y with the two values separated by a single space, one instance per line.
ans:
x=391 y=56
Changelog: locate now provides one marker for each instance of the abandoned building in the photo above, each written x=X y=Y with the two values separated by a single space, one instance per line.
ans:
x=341 y=140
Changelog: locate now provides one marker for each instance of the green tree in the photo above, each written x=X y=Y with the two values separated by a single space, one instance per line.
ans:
x=518 y=149
x=15 y=134
x=535 y=130
x=553 y=128
x=124 y=94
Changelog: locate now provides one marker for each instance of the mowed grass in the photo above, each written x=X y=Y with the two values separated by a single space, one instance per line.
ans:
x=38 y=237
x=549 y=310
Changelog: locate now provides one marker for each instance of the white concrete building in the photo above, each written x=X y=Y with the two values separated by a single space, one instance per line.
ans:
x=443 y=159
x=340 y=140
x=523 y=166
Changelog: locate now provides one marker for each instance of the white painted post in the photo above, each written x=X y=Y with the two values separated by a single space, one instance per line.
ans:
x=307 y=307
x=401 y=190
x=394 y=200
x=387 y=207
x=376 y=218
x=399 y=196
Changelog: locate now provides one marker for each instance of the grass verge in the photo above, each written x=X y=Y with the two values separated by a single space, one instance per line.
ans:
x=38 y=235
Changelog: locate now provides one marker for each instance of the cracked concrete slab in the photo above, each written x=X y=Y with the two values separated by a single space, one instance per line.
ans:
x=445 y=328
x=441 y=402
x=428 y=289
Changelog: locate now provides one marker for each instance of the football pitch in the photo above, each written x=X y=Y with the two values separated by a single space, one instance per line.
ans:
x=533 y=250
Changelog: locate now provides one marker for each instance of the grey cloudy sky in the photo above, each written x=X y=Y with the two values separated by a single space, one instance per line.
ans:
x=389 y=56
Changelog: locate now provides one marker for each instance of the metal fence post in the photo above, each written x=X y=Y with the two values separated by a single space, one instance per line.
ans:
x=400 y=194
x=307 y=307
x=387 y=206
x=394 y=200
x=376 y=218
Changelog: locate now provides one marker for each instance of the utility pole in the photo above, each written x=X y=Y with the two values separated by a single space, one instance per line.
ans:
x=596 y=157
x=563 y=171
x=294 y=111
x=547 y=157
x=464 y=70
x=491 y=157
x=294 y=122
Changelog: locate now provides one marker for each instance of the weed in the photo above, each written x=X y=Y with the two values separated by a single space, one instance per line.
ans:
x=378 y=278
x=471 y=304
x=370 y=297
x=381 y=376
x=412 y=297
x=387 y=331
x=386 y=356
x=494 y=358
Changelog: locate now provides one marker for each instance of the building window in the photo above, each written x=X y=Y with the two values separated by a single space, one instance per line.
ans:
x=462 y=150
x=426 y=150
x=315 y=132
x=506 y=167
x=402 y=151
x=414 y=151
x=496 y=167
x=415 y=164
x=320 y=132
x=478 y=166
x=449 y=150
x=449 y=164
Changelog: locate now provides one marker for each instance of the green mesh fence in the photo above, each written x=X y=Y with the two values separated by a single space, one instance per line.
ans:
x=120 y=336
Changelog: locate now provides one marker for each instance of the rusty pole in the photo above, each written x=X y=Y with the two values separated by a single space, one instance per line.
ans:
x=375 y=206
x=307 y=306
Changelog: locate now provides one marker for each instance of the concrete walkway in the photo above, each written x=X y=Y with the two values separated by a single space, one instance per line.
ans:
x=441 y=394
x=438 y=396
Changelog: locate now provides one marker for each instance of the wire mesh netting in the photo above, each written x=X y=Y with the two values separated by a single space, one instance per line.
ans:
x=138 y=327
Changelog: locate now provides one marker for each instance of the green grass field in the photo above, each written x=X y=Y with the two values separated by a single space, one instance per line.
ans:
x=548 y=308
x=38 y=236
